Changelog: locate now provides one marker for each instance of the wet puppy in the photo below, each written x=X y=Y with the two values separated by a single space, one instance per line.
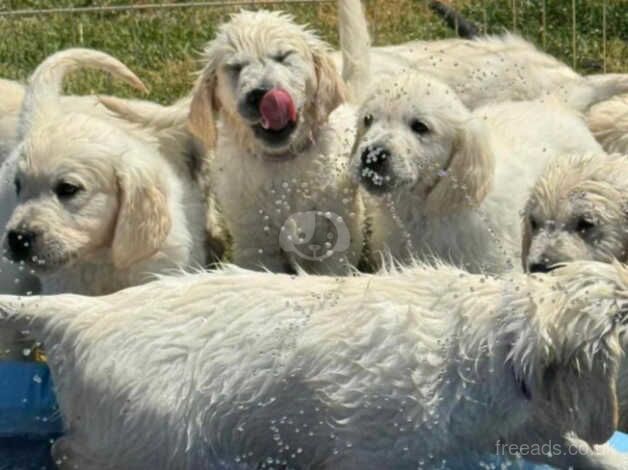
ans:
x=609 y=123
x=449 y=183
x=99 y=207
x=265 y=104
x=363 y=372
x=578 y=210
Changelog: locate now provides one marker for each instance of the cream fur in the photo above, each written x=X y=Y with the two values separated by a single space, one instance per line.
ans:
x=233 y=369
x=609 y=123
x=455 y=190
x=492 y=69
x=137 y=214
x=269 y=194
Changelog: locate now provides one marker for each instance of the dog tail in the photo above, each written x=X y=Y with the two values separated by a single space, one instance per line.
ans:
x=147 y=113
x=355 y=44
x=462 y=26
x=46 y=82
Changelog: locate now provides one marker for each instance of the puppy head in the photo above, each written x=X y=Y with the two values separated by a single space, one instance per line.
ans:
x=86 y=189
x=95 y=194
x=578 y=210
x=272 y=80
x=415 y=134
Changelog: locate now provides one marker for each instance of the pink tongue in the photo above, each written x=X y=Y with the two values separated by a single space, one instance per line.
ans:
x=277 y=110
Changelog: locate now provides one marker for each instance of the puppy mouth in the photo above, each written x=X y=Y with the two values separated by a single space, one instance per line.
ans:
x=278 y=117
x=374 y=172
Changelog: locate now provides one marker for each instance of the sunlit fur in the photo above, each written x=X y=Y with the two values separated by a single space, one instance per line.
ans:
x=235 y=368
x=259 y=186
x=137 y=213
x=490 y=69
x=609 y=123
x=455 y=191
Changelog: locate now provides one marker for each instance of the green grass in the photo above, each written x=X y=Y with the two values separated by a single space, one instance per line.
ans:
x=162 y=46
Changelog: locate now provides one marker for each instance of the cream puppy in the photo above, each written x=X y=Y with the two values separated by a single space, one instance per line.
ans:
x=265 y=103
x=609 y=123
x=238 y=369
x=99 y=207
x=446 y=182
x=11 y=95
x=578 y=210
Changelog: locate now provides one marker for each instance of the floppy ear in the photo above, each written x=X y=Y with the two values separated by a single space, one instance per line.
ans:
x=203 y=109
x=331 y=91
x=572 y=394
x=143 y=218
x=468 y=176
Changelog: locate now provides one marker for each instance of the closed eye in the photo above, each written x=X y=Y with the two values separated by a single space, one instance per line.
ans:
x=235 y=68
x=18 y=186
x=282 y=56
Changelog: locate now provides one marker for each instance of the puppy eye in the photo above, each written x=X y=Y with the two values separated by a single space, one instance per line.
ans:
x=65 y=190
x=419 y=127
x=281 y=57
x=583 y=225
x=368 y=120
x=235 y=69
x=534 y=224
x=18 y=186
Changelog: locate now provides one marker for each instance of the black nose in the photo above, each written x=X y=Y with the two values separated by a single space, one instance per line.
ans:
x=20 y=244
x=541 y=267
x=376 y=159
x=254 y=98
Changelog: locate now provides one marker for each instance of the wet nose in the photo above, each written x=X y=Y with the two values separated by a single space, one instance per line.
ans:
x=376 y=159
x=254 y=98
x=20 y=243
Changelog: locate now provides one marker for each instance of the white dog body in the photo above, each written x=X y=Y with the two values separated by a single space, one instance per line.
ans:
x=238 y=369
x=492 y=69
x=609 y=123
x=454 y=190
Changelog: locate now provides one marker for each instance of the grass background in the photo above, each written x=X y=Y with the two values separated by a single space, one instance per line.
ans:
x=162 y=46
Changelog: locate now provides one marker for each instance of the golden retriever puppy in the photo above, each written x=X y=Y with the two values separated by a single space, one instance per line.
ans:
x=609 y=123
x=577 y=211
x=446 y=182
x=265 y=104
x=241 y=369
x=99 y=207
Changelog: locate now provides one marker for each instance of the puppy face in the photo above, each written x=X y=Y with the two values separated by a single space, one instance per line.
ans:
x=272 y=79
x=577 y=211
x=415 y=133
x=78 y=184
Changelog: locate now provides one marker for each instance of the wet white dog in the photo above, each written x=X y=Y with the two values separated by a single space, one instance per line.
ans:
x=99 y=207
x=266 y=104
x=447 y=182
x=609 y=123
x=239 y=369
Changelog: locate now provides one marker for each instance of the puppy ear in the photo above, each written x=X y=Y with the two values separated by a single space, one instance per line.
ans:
x=143 y=219
x=203 y=109
x=469 y=175
x=331 y=91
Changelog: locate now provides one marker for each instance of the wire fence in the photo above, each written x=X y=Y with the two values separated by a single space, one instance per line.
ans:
x=161 y=39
